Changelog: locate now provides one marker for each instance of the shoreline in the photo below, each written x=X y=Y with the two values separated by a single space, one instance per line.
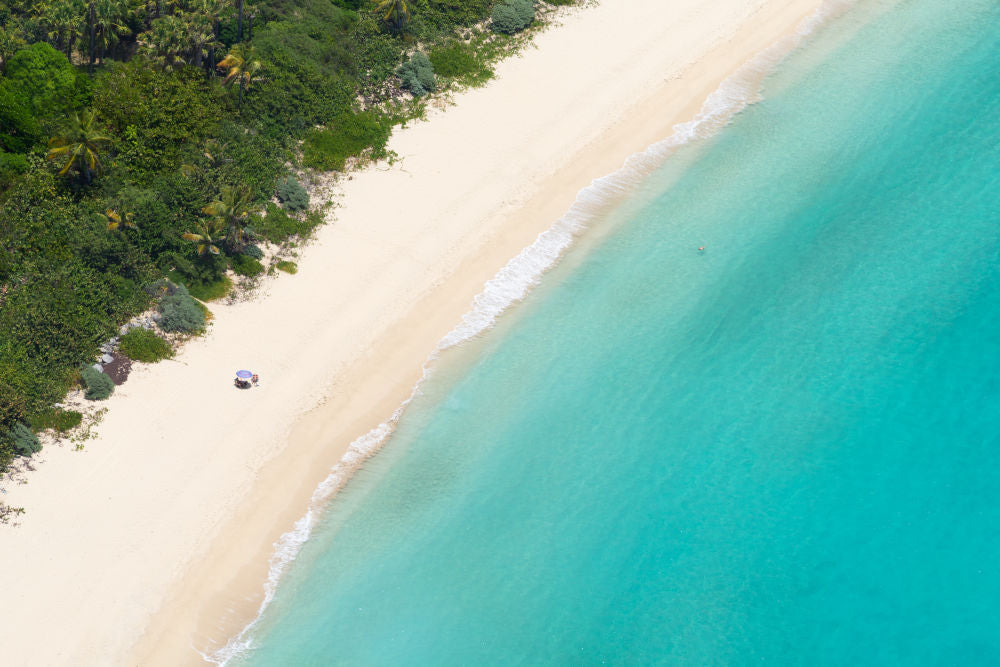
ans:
x=259 y=480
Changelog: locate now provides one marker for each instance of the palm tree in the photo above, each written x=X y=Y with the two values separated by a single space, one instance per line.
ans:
x=110 y=23
x=167 y=41
x=93 y=37
x=231 y=209
x=78 y=146
x=63 y=21
x=201 y=36
x=394 y=12
x=11 y=40
x=253 y=15
x=211 y=10
x=170 y=6
x=206 y=238
x=116 y=221
x=241 y=68
x=239 y=22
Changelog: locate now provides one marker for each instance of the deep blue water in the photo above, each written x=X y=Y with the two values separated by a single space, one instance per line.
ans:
x=782 y=450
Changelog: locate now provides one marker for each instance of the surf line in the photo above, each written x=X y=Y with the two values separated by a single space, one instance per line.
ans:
x=524 y=271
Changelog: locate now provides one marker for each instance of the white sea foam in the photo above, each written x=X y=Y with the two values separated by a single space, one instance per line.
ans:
x=289 y=544
x=513 y=282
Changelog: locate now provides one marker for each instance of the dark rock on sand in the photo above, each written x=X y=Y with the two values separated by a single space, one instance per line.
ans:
x=118 y=369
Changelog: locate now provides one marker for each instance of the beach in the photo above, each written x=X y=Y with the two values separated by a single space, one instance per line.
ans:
x=151 y=545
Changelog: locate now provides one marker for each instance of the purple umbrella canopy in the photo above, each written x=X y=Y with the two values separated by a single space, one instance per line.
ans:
x=246 y=375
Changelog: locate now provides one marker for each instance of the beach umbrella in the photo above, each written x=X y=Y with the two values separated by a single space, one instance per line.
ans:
x=246 y=375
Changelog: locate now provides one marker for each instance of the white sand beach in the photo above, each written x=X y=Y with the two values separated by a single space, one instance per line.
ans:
x=152 y=543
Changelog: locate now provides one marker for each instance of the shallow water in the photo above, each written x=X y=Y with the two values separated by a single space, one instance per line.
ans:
x=782 y=449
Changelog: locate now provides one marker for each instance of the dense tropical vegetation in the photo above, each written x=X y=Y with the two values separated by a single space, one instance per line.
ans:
x=142 y=142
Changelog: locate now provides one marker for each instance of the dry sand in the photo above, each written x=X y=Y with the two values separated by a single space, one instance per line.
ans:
x=153 y=541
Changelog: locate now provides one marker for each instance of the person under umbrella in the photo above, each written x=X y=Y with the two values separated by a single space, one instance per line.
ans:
x=242 y=378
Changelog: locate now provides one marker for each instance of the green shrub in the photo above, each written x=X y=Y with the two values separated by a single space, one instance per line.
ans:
x=376 y=56
x=99 y=385
x=253 y=251
x=161 y=288
x=512 y=16
x=144 y=345
x=25 y=441
x=205 y=312
x=70 y=284
x=417 y=75
x=441 y=17
x=287 y=266
x=526 y=10
x=156 y=116
x=212 y=290
x=350 y=135
x=46 y=78
x=310 y=68
x=276 y=225
x=179 y=312
x=19 y=129
x=292 y=194
x=454 y=60
x=198 y=273
x=12 y=165
x=253 y=160
x=7 y=454
x=246 y=266
x=55 y=419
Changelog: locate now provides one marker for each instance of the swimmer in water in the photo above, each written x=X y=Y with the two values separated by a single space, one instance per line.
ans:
x=701 y=249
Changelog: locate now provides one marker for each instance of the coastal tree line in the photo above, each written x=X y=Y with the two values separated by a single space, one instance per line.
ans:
x=154 y=143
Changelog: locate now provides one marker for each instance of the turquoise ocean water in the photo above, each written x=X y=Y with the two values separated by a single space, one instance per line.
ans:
x=783 y=450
